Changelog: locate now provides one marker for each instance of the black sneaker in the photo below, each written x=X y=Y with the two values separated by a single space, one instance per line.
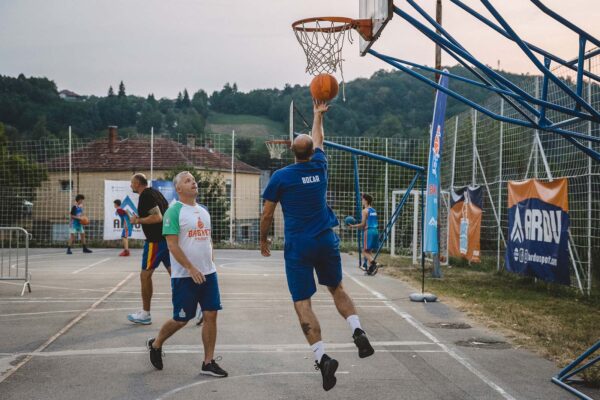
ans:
x=362 y=342
x=213 y=369
x=155 y=354
x=373 y=268
x=328 y=366
x=86 y=250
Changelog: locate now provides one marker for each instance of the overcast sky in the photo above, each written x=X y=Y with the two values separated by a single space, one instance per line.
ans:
x=163 y=46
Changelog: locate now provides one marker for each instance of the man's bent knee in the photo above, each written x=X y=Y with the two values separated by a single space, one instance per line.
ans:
x=333 y=289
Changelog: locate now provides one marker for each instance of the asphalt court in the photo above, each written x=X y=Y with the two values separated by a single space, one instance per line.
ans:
x=69 y=339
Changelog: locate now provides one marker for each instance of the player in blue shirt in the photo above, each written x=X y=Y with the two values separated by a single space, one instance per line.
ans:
x=369 y=226
x=310 y=243
x=75 y=225
x=127 y=227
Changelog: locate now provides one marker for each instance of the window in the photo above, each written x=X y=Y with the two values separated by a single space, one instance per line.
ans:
x=245 y=232
x=64 y=185
x=228 y=188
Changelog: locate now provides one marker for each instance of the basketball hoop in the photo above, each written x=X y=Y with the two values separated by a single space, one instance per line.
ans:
x=277 y=148
x=322 y=39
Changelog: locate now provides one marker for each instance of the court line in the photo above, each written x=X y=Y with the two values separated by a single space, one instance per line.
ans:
x=185 y=387
x=418 y=326
x=91 y=265
x=6 y=374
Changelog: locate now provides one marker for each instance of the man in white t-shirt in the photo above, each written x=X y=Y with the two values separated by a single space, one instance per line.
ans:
x=187 y=228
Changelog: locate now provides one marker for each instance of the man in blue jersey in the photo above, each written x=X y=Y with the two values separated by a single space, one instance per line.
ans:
x=310 y=243
x=369 y=226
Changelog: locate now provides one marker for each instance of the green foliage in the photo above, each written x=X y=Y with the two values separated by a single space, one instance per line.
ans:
x=211 y=187
x=253 y=152
x=19 y=178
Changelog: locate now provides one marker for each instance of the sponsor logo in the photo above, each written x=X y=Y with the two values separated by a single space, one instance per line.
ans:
x=537 y=225
x=432 y=189
x=201 y=233
x=200 y=224
x=435 y=148
x=523 y=255
x=182 y=313
x=432 y=222
x=310 y=179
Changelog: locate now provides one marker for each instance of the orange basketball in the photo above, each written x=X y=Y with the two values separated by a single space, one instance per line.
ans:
x=324 y=87
x=84 y=220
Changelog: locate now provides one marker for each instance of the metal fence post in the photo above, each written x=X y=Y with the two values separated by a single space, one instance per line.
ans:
x=500 y=185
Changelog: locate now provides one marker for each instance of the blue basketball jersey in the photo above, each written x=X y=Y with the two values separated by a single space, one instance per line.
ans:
x=372 y=218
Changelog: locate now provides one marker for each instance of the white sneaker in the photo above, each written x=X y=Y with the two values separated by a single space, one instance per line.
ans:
x=140 y=317
x=199 y=317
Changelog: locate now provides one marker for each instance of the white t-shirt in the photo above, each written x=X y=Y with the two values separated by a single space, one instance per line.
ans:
x=193 y=227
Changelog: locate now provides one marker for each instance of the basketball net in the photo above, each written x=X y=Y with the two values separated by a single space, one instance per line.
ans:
x=277 y=148
x=322 y=41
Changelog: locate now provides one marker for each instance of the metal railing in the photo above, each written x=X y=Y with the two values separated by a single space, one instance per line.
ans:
x=14 y=256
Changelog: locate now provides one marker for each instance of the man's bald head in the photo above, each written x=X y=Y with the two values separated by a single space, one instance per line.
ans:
x=303 y=147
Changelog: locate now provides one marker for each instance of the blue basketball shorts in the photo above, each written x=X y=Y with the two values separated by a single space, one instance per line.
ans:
x=187 y=294
x=306 y=255
x=155 y=253
x=370 y=239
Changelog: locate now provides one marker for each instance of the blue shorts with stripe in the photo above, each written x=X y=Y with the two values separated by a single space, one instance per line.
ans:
x=371 y=239
x=155 y=253
x=306 y=255
x=187 y=294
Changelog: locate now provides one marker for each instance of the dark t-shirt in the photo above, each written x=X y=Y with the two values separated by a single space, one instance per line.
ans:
x=149 y=199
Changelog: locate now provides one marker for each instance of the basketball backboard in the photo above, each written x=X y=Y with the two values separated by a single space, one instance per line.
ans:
x=379 y=12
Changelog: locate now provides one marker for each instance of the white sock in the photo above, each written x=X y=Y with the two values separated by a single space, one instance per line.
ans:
x=354 y=322
x=318 y=350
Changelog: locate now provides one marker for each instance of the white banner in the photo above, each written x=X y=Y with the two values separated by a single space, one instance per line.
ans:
x=120 y=190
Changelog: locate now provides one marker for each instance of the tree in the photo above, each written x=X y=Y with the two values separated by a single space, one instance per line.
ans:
x=111 y=92
x=179 y=101
x=211 y=187
x=200 y=102
x=19 y=177
x=186 y=99
x=122 y=89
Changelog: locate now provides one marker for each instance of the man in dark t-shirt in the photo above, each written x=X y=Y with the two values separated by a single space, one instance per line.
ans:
x=152 y=205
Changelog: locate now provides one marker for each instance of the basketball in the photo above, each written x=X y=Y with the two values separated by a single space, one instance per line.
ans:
x=84 y=220
x=350 y=220
x=324 y=87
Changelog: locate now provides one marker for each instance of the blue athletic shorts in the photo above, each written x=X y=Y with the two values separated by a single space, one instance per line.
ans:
x=303 y=255
x=154 y=254
x=126 y=232
x=371 y=239
x=187 y=294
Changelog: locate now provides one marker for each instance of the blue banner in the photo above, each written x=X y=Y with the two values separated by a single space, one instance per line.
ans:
x=167 y=188
x=433 y=171
x=538 y=228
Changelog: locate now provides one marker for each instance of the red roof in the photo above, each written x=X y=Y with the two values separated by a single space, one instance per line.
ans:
x=134 y=155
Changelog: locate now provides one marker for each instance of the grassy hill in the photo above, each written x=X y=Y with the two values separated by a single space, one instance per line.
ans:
x=244 y=125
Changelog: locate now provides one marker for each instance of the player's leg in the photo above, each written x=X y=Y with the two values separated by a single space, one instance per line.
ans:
x=149 y=263
x=301 y=283
x=185 y=299
x=329 y=273
x=210 y=302
x=71 y=240
x=83 y=243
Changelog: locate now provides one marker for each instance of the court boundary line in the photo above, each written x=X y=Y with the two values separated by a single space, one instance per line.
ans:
x=418 y=326
x=6 y=374
x=91 y=265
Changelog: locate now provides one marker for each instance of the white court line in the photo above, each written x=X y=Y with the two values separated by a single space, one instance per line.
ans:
x=418 y=326
x=185 y=387
x=11 y=370
x=91 y=265
x=248 y=307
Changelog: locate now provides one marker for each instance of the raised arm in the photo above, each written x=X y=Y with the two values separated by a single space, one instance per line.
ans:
x=319 y=108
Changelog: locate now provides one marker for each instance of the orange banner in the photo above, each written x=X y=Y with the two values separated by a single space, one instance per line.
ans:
x=464 y=225
x=554 y=192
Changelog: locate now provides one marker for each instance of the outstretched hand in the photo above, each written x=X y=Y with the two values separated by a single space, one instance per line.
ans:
x=320 y=107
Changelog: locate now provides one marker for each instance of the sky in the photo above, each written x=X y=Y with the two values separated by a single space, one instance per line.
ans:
x=164 y=46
